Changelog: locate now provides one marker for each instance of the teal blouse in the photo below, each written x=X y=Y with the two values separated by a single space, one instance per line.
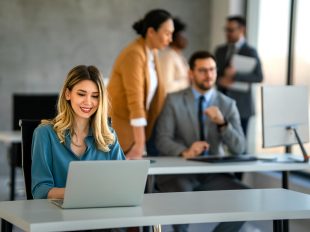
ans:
x=50 y=158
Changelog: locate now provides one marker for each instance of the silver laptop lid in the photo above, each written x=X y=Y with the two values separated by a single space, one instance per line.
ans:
x=111 y=183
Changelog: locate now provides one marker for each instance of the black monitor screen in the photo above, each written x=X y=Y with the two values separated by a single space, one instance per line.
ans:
x=33 y=106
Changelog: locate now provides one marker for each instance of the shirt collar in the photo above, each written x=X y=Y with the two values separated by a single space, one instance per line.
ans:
x=68 y=137
x=150 y=54
x=208 y=94
x=240 y=43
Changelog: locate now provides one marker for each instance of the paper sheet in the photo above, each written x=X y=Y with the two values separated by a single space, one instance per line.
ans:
x=240 y=86
x=243 y=64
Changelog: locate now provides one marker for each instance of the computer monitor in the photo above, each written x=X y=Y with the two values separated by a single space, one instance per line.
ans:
x=285 y=119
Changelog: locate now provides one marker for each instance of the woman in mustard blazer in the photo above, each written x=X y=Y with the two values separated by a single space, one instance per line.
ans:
x=136 y=89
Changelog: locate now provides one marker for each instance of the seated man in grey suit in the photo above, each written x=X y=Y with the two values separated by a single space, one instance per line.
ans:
x=200 y=121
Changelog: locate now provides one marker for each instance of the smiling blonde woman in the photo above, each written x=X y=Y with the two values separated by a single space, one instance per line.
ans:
x=80 y=131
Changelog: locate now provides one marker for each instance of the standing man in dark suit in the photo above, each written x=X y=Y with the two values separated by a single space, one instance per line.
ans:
x=231 y=82
x=199 y=121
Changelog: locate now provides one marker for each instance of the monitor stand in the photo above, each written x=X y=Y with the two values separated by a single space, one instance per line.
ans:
x=304 y=153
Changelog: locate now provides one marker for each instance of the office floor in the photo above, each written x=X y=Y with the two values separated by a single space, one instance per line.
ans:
x=255 y=226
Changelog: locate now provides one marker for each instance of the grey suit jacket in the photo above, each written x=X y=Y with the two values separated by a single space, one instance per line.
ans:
x=177 y=127
x=243 y=99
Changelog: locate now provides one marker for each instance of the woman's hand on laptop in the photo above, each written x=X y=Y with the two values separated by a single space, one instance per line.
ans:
x=195 y=150
x=56 y=193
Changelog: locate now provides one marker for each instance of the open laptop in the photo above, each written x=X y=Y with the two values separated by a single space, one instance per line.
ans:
x=109 y=183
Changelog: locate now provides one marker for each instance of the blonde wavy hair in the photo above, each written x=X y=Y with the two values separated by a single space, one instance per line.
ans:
x=99 y=120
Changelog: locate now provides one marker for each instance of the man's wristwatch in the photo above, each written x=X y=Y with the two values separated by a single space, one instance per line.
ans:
x=220 y=126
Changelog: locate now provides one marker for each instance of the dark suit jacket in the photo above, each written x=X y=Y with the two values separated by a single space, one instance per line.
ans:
x=177 y=126
x=243 y=99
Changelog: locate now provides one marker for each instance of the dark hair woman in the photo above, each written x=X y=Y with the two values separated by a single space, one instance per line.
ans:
x=136 y=88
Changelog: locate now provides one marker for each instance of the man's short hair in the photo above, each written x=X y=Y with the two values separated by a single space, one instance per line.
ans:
x=238 y=19
x=199 y=55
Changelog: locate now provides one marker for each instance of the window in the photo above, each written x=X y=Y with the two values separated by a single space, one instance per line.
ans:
x=272 y=47
x=301 y=61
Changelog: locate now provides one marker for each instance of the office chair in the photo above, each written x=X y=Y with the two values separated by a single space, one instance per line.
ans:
x=30 y=106
x=27 y=128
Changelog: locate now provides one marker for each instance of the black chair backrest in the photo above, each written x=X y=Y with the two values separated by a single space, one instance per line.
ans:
x=27 y=128
x=33 y=106
x=30 y=106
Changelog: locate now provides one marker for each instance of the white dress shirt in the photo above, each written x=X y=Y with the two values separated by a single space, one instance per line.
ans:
x=152 y=89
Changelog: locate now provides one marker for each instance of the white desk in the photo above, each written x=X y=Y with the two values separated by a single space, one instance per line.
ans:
x=176 y=165
x=162 y=208
x=9 y=137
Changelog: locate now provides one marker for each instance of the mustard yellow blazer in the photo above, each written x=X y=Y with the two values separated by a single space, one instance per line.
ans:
x=128 y=88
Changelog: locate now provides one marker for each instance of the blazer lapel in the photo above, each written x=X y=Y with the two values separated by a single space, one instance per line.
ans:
x=147 y=77
x=141 y=42
x=192 y=112
x=243 y=49
x=161 y=88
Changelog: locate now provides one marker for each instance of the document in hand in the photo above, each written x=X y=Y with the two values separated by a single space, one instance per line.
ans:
x=243 y=64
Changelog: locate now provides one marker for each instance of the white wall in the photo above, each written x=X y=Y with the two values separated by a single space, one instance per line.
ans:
x=220 y=9
x=40 y=40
